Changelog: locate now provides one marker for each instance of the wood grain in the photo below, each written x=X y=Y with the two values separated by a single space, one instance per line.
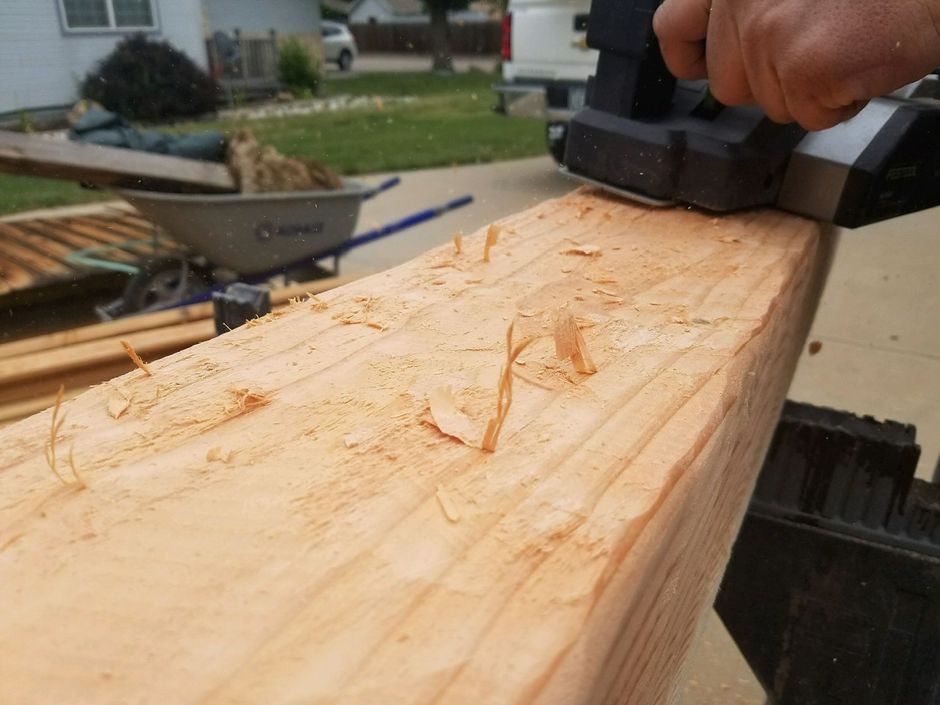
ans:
x=275 y=518
x=30 y=155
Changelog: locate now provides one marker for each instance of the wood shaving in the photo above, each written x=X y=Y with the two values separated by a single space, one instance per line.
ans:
x=458 y=242
x=584 y=250
x=247 y=400
x=605 y=292
x=604 y=279
x=135 y=358
x=569 y=343
x=450 y=420
x=504 y=392
x=567 y=270
x=50 y=451
x=216 y=454
x=316 y=303
x=117 y=405
x=477 y=280
x=447 y=505
x=492 y=234
x=528 y=314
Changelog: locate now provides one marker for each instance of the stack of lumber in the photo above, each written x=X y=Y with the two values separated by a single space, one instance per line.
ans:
x=299 y=512
x=34 y=252
x=33 y=369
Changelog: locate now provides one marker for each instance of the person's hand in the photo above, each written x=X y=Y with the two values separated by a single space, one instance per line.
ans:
x=815 y=62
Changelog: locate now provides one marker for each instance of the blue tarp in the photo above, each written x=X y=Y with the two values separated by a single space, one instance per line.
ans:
x=111 y=130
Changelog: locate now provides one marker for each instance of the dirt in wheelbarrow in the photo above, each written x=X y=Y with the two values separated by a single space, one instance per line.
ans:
x=261 y=170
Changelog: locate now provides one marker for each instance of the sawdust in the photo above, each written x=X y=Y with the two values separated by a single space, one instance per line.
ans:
x=458 y=242
x=258 y=170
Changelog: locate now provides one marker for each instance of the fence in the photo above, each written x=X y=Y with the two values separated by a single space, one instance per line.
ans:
x=244 y=63
x=468 y=38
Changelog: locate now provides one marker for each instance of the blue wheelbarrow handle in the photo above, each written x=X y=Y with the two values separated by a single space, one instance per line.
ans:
x=384 y=186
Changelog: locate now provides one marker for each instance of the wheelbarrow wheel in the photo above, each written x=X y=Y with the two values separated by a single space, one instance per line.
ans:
x=163 y=282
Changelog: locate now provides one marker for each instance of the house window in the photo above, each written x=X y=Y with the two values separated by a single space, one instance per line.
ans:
x=108 y=14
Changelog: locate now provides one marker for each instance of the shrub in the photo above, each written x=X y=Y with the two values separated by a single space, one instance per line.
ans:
x=146 y=79
x=296 y=69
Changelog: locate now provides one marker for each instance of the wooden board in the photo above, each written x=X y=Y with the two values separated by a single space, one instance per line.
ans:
x=33 y=155
x=276 y=518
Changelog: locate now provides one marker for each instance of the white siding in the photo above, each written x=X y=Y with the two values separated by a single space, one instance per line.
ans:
x=285 y=16
x=42 y=66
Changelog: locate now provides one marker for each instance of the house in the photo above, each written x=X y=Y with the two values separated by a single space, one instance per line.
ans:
x=48 y=46
x=407 y=12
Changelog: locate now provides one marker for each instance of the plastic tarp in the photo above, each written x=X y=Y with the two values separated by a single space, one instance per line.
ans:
x=111 y=130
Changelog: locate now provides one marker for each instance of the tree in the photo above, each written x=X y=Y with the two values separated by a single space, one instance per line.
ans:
x=443 y=61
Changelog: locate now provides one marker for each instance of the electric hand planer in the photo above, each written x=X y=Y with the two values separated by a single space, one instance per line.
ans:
x=646 y=136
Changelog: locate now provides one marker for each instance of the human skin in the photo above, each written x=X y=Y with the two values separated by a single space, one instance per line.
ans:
x=815 y=62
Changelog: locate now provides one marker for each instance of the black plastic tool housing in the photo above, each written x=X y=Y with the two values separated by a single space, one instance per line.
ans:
x=643 y=132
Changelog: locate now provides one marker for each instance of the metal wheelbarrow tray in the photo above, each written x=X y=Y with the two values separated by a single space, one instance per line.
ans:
x=250 y=233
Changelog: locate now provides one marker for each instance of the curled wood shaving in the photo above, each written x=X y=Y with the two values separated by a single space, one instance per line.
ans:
x=50 y=451
x=504 y=392
x=569 y=343
x=458 y=242
x=447 y=505
x=450 y=420
x=492 y=234
x=135 y=358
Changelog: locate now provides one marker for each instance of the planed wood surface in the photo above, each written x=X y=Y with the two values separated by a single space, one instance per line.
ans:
x=33 y=369
x=31 y=155
x=275 y=518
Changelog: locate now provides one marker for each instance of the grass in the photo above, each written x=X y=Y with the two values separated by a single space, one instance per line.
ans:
x=450 y=122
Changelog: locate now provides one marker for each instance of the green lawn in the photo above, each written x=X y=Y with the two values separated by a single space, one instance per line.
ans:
x=451 y=122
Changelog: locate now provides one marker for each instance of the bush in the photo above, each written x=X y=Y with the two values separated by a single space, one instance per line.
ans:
x=296 y=69
x=145 y=79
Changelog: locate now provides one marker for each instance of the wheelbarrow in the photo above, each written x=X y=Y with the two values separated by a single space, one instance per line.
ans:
x=240 y=237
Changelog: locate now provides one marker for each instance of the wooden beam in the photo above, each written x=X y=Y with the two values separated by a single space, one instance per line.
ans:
x=31 y=155
x=276 y=516
x=34 y=368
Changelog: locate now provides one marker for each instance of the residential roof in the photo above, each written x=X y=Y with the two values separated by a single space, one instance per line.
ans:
x=396 y=7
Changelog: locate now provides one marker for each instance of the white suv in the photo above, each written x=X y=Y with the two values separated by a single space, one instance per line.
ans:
x=546 y=63
x=339 y=44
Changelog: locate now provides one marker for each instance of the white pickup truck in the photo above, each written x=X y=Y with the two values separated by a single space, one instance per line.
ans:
x=546 y=63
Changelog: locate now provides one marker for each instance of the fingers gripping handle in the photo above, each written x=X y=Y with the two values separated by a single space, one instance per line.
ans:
x=631 y=78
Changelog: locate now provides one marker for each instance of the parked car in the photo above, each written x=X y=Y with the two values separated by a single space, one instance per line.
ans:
x=339 y=44
x=546 y=64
